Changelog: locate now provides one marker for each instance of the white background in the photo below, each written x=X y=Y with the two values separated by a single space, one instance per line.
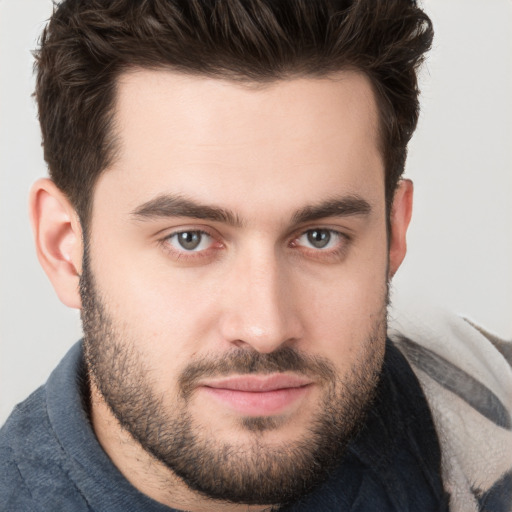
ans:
x=460 y=242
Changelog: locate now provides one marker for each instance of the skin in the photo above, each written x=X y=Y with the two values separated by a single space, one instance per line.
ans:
x=264 y=154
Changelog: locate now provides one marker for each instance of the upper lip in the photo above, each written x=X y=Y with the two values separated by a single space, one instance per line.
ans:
x=258 y=383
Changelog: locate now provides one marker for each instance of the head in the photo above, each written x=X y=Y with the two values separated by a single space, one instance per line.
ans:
x=86 y=47
x=226 y=209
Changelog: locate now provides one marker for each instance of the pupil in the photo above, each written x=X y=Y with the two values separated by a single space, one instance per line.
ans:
x=189 y=239
x=319 y=238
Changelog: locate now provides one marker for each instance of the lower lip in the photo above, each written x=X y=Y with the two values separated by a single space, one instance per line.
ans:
x=266 y=403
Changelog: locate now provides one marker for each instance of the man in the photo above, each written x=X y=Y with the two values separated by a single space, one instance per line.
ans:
x=225 y=207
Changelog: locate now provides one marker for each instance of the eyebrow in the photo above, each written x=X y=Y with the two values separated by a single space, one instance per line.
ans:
x=169 y=205
x=346 y=206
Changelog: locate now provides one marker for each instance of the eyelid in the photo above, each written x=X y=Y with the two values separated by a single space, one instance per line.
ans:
x=176 y=253
x=333 y=254
x=204 y=238
x=342 y=232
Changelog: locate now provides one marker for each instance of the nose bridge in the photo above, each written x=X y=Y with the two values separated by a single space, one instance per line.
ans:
x=260 y=310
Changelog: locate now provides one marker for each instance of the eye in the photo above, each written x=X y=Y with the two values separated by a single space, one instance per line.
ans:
x=319 y=238
x=190 y=241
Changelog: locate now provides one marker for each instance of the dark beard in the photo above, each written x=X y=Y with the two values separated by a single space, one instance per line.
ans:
x=254 y=473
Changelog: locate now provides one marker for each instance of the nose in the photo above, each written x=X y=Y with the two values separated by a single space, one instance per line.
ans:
x=259 y=309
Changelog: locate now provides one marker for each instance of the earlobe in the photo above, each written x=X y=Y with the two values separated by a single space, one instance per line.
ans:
x=401 y=213
x=58 y=239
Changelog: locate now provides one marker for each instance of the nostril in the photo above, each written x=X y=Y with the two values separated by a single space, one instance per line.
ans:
x=239 y=343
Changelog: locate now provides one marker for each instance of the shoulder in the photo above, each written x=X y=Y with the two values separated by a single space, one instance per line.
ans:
x=33 y=473
x=23 y=431
x=14 y=493
x=467 y=379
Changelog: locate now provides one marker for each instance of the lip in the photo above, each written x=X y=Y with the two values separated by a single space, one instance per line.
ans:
x=258 y=395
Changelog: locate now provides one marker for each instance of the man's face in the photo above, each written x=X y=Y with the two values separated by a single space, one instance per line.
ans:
x=234 y=298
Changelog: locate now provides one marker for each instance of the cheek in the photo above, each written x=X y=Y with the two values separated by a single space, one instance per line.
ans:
x=164 y=313
x=343 y=310
x=349 y=303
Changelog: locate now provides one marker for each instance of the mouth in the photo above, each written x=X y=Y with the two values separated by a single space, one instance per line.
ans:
x=258 y=395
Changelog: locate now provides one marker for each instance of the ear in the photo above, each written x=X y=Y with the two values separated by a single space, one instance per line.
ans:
x=58 y=239
x=401 y=212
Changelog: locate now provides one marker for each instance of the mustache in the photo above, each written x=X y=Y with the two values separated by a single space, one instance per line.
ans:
x=246 y=361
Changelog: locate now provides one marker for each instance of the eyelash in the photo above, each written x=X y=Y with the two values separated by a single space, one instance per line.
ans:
x=189 y=255
x=329 y=254
x=321 y=254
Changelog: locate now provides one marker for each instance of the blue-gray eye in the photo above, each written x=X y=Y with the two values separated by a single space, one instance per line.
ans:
x=190 y=240
x=319 y=238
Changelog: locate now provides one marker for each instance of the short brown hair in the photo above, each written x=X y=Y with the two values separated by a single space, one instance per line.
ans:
x=88 y=43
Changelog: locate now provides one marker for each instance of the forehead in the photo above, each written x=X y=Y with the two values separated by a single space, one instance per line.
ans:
x=217 y=140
